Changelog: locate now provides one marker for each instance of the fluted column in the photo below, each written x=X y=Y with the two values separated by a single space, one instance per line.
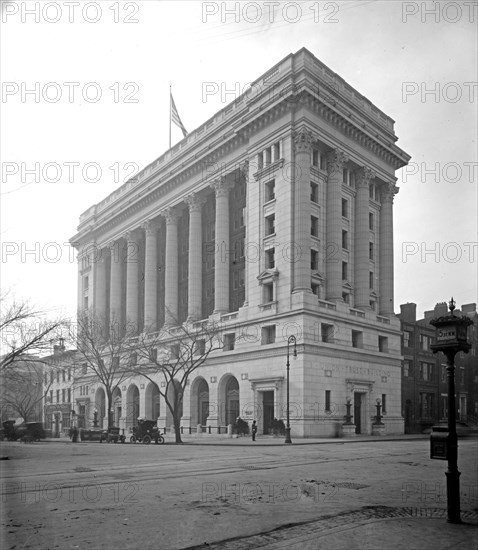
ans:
x=100 y=284
x=302 y=146
x=132 y=268
x=115 y=282
x=195 y=204
x=362 y=238
x=171 y=271
x=333 y=248
x=221 y=266
x=150 y=276
x=386 y=249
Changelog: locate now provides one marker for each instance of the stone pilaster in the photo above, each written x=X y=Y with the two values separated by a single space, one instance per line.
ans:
x=116 y=276
x=195 y=204
x=302 y=145
x=100 y=284
x=333 y=248
x=387 y=193
x=221 y=267
x=150 y=276
x=171 y=272
x=362 y=238
x=132 y=269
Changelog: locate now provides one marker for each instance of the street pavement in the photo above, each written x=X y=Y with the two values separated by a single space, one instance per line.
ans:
x=216 y=492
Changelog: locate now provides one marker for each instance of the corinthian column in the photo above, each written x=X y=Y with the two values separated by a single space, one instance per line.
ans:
x=171 y=271
x=132 y=267
x=116 y=276
x=100 y=285
x=303 y=145
x=221 y=267
x=333 y=249
x=362 y=238
x=386 y=249
x=150 y=276
x=195 y=204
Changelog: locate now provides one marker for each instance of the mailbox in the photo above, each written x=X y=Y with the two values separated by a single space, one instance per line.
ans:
x=439 y=439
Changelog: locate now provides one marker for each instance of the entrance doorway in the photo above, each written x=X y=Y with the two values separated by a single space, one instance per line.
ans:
x=268 y=408
x=358 y=412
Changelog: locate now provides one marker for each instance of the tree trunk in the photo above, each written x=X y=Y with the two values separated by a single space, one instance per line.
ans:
x=109 y=399
x=177 y=427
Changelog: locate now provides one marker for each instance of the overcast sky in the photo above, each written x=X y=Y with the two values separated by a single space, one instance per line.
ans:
x=120 y=59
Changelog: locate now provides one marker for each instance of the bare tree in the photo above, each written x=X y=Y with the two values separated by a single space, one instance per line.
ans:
x=24 y=332
x=105 y=348
x=174 y=354
x=22 y=388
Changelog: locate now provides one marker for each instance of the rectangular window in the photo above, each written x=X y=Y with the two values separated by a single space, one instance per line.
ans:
x=370 y=279
x=51 y=396
x=443 y=373
x=57 y=396
x=384 y=403
x=327 y=400
x=357 y=339
x=345 y=208
x=86 y=284
x=406 y=339
x=372 y=305
x=314 y=226
x=200 y=347
x=260 y=161
x=277 y=150
x=327 y=333
x=268 y=335
x=427 y=405
x=270 y=187
x=425 y=342
x=46 y=378
x=370 y=251
x=133 y=359
x=268 y=293
x=462 y=375
x=69 y=395
x=346 y=297
x=85 y=302
x=63 y=395
x=57 y=376
x=314 y=260
x=344 y=271
x=270 y=224
x=427 y=371
x=406 y=368
x=84 y=368
x=229 y=342
x=270 y=258
x=314 y=192
x=69 y=375
x=268 y=156
x=154 y=354
x=383 y=344
x=52 y=377
x=315 y=157
x=371 y=223
x=345 y=239
x=175 y=351
x=63 y=375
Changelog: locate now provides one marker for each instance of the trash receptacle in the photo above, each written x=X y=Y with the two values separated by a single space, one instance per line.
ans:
x=439 y=439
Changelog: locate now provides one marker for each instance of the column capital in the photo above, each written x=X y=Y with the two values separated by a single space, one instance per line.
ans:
x=388 y=192
x=364 y=176
x=244 y=170
x=195 y=202
x=303 y=140
x=171 y=215
x=336 y=160
x=222 y=187
x=130 y=235
x=150 y=226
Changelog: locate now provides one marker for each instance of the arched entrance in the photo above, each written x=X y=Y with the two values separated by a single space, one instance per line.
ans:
x=229 y=400
x=100 y=406
x=132 y=406
x=152 y=401
x=117 y=407
x=199 y=402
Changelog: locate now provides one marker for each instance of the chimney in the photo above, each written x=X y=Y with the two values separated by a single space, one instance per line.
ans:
x=468 y=309
x=408 y=312
x=441 y=309
x=59 y=348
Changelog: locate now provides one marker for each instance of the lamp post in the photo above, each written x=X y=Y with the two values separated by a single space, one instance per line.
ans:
x=95 y=418
x=348 y=416
x=290 y=340
x=378 y=418
x=451 y=338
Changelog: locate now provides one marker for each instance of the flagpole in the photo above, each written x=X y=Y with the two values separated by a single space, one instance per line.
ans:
x=170 y=107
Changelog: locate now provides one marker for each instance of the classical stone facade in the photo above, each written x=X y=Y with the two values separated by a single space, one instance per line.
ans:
x=275 y=217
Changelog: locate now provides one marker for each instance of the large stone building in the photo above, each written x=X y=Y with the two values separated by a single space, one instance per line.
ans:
x=275 y=218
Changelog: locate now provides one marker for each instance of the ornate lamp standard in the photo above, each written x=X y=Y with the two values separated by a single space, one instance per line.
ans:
x=290 y=340
x=451 y=332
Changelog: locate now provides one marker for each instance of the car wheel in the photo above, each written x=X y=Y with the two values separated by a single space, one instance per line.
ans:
x=132 y=439
x=161 y=439
x=147 y=439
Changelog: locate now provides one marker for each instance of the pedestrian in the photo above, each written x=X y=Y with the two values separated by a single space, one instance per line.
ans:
x=254 y=430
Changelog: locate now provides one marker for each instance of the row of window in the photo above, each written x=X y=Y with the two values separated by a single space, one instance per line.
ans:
x=424 y=343
x=428 y=371
x=268 y=156
x=63 y=374
x=65 y=396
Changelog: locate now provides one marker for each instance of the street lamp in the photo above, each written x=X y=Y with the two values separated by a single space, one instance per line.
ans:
x=378 y=418
x=95 y=418
x=451 y=338
x=290 y=340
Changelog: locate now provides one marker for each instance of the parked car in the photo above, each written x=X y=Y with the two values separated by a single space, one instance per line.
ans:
x=32 y=431
x=145 y=432
x=112 y=435
x=8 y=431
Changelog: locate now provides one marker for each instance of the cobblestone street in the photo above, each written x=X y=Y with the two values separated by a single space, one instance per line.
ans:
x=352 y=494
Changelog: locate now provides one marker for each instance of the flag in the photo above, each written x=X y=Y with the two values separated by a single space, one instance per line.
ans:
x=175 y=117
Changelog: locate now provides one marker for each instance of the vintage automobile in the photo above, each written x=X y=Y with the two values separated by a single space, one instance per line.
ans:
x=8 y=431
x=112 y=435
x=29 y=431
x=145 y=432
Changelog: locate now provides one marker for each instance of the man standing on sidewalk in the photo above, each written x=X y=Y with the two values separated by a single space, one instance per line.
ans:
x=254 y=430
